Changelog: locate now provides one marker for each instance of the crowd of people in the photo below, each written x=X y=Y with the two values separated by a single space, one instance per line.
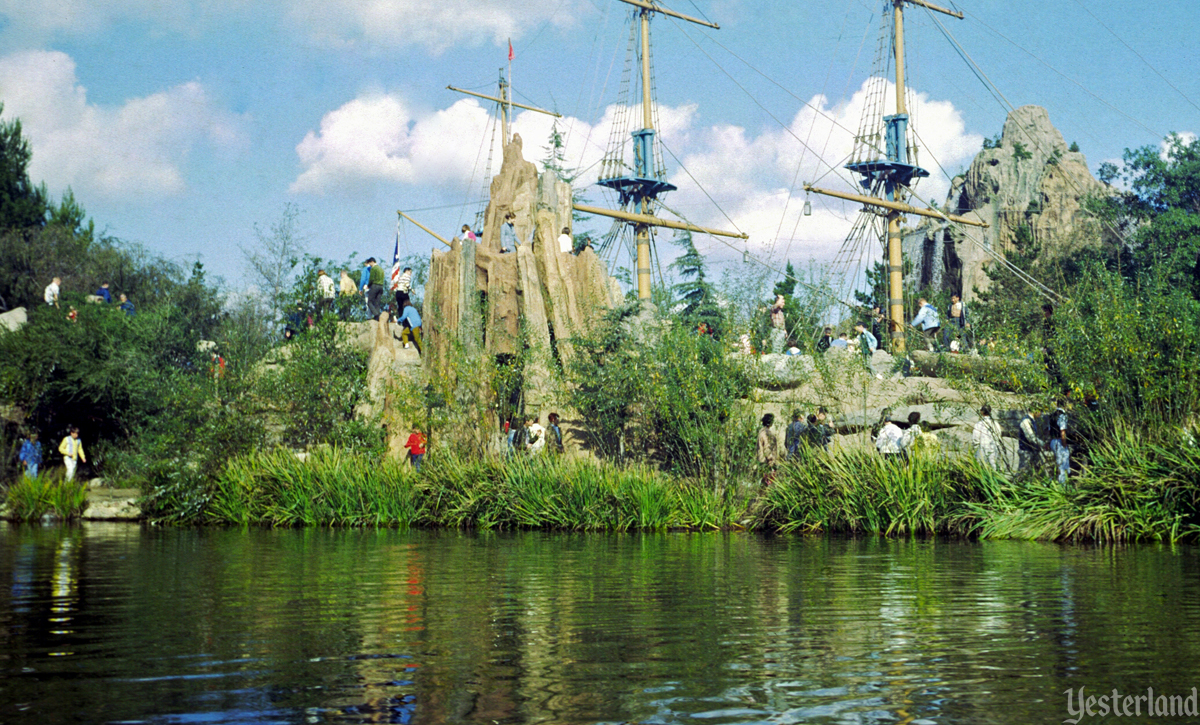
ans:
x=532 y=438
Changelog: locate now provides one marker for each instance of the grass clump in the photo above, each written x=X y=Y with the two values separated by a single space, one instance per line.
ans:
x=29 y=499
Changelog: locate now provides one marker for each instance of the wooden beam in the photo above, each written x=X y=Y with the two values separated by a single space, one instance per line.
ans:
x=511 y=103
x=939 y=9
x=894 y=206
x=653 y=221
x=672 y=13
x=432 y=233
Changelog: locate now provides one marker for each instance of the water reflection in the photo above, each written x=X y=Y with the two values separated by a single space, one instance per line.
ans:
x=431 y=627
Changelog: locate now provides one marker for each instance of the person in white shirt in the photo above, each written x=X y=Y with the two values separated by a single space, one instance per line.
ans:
x=887 y=442
x=565 y=243
x=51 y=293
x=536 y=437
x=326 y=289
x=986 y=438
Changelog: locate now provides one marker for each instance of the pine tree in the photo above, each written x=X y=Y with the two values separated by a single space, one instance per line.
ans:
x=697 y=294
x=22 y=205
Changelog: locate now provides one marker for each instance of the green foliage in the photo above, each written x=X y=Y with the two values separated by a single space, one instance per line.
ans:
x=314 y=387
x=22 y=204
x=695 y=292
x=1074 y=147
x=992 y=143
x=31 y=498
x=668 y=390
x=1020 y=153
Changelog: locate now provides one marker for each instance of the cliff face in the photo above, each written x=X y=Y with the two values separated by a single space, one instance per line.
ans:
x=1030 y=179
x=479 y=301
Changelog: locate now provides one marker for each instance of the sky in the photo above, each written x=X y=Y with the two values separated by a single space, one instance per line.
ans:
x=183 y=126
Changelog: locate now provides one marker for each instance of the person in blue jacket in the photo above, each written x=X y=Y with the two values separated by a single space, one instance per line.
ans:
x=410 y=320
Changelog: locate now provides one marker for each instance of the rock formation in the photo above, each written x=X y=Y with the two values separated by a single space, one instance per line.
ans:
x=1030 y=179
x=479 y=301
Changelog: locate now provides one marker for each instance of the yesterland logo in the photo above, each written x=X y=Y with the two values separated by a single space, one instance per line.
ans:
x=1080 y=705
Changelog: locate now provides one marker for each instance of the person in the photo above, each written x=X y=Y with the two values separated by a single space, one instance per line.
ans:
x=71 y=449
x=374 y=288
x=887 y=441
x=778 y=325
x=467 y=234
x=958 y=322
x=877 y=324
x=104 y=294
x=536 y=441
x=50 y=295
x=793 y=436
x=911 y=433
x=818 y=433
x=768 y=449
x=985 y=437
x=346 y=285
x=556 y=436
x=325 y=289
x=868 y=342
x=126 y=306
x=31 y=455
x=295 y=322
x=826 y=340
x=403 y=288
x=842 y=342
x=1058 y=441
x=508 y=234
x=565 y=243
x=1029 y=446
x=416 y=447
x=927 y=322
x=410 y=321
x=510 y=435
x=72 y=314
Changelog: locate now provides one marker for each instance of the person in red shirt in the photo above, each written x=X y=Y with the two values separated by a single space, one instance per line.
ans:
x=416 y=447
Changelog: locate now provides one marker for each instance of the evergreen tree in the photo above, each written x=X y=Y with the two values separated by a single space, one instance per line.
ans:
x=695 y=292
x=22 y=205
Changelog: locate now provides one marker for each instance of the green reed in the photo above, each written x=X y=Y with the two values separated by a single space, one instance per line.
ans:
x=29 y=499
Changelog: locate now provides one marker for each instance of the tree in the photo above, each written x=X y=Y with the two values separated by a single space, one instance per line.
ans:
x=695 y=292
x=272 y=261
x=22 y=205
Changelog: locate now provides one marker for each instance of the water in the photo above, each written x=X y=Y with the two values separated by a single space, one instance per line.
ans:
x=118 y=623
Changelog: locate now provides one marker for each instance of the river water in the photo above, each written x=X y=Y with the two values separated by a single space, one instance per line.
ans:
x=121 y=623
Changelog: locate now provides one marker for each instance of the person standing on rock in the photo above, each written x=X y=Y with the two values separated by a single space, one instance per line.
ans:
x=793 y=437
x=71 y=449
x=31 y=455
x=959 y=325
x=104 y=294
x=867 y=341
x=374 y=289
x=50 y=294
x=1058 y=441
x=778 y=325
x=416 y=448
x=877 y=325
x=467 y=234
x=556 y=436
x=825 y=340
x=325 y=290
x=1029 y=446
x=410 y=321
x=508 y=234
x=565 y=243
x=985 y=437
x=535 y=441
x=403 y=288
x=928 y=323
x=768 y=449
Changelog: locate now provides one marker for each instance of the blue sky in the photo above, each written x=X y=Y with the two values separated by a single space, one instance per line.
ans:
x=182 y=125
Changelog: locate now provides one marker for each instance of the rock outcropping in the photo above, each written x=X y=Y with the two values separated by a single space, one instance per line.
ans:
x=479 y=301
x=1030 y=179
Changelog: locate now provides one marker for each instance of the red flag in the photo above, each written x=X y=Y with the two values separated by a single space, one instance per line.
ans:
x=510 y=53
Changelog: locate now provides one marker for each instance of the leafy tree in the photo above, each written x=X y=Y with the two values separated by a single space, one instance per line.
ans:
x=22 y=204
x=272 y=261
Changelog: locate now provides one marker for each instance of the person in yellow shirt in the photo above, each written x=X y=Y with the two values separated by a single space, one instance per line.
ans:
x=71 y=449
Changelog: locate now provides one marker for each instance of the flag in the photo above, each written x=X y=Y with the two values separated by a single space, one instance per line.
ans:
x=510 y=53
x=396 y=260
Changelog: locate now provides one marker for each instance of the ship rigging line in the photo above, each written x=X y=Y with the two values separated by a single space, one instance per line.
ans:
x=699 y=186
x=1139 y=55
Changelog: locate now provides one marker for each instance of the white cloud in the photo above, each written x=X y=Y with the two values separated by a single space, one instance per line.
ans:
x=435 y=25
x=131 y=152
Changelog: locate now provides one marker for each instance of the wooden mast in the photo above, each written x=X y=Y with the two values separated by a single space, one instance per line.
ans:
x=896 y=173
x=642 y=188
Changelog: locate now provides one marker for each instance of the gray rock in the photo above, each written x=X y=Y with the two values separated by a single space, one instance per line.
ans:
x=14 y=319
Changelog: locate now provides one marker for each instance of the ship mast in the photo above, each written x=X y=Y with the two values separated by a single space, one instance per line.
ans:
x=895 y=175
x=642 y=187
x=506 y=104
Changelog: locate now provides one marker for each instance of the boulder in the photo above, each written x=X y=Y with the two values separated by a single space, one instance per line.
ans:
x=14 y=319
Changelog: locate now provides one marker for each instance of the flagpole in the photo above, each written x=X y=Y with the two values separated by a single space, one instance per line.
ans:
x=510 y=83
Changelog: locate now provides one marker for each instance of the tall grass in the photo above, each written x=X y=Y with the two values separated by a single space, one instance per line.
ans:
x=29 y=499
